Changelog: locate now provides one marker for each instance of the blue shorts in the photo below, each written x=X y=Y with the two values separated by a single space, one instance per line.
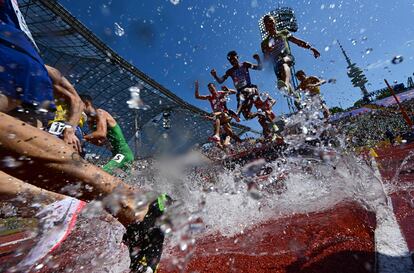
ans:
x=24 y=78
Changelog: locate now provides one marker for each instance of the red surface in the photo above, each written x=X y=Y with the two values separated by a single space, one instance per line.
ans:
x=389 y=163
x=339 y=239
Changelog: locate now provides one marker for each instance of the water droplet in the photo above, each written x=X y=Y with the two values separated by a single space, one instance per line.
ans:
x=10 y=162
x=252 y=168
x=183 y=246
x=254 y=191
x=136 y=102
x=175 y=2
x=119 y=31
x=368 y=50
x=327 y=48
x=397 y=59
x=354 y=42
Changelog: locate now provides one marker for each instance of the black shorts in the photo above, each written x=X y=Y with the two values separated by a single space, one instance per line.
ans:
x=279 y=62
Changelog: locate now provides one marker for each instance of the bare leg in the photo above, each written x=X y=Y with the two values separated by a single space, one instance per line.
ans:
x=229 y=131
x=217 y=127
x=47 y=162
x=22 y=194
x=287 y=77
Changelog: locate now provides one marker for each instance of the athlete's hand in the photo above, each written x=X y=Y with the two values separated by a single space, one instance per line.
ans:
x=315 y=52
x=213 y=72
x=224 y=88
x=209 y=117
x=98 y=141
x=256 y=57
x=71 y=139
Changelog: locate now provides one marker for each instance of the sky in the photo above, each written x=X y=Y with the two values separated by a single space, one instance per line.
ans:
x=176 y=42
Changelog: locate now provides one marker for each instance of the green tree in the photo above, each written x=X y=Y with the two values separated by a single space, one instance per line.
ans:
x=335 y=110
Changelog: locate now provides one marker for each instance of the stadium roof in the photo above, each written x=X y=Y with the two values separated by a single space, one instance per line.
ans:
x=94 y=68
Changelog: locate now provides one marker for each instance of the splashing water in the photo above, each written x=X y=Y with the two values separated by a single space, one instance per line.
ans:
x=397 y=59
x=119 y=31
x=136 y=102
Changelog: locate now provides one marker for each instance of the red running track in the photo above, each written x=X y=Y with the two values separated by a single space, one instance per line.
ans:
x=338 y=240
x=398 y=175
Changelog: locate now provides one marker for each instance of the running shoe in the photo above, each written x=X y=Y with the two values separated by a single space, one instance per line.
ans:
x=215 y=139
x=145 y=239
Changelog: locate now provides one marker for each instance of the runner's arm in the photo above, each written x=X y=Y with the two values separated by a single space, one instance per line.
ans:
x=64 y=89
x=304 y=44
x=272 y=101
x=316 y=82
x=257 y=66
x=99 y=135
x=197 y=94
x=228 y=90
x=217 y=78
x=265 y=50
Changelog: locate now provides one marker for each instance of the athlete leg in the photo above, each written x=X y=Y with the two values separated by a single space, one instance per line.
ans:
x=217 y=127
x=22 y=194
x=265 y=126
x=229 y=131
x=47 y=162
x=287 y=77
x=121 y=161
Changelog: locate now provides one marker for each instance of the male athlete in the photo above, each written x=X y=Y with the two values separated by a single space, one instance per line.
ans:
x=312 y=85
x=239 y=73
x=68 y=116
x=275 y=48
x=34 y=156
x=266 y=115
x=104 y=128
x=221 y=115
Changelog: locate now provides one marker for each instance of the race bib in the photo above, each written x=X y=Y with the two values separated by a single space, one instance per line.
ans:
x=22 y=22
x=57 y=128
x=277 y=47
x=118 y=158
x=241 y=77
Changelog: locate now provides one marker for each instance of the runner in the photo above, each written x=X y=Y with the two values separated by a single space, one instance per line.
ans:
x=221 y=115
x=35 y=156
x=312 y=85
x=68 y=115
x=266 y=115
x=105 y=128
x=275 y=48
x=239 y=73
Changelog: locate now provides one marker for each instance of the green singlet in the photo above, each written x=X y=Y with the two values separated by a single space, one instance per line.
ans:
x=277 y=46
x=122 y=154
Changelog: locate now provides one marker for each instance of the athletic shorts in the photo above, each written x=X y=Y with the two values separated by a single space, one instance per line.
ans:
x=278 y=64
x=121 y=161
x=24 y=78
